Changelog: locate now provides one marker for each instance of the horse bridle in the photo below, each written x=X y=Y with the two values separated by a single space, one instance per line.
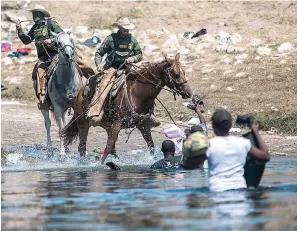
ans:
x=63 y=48
x=171 y=79
x=184 y=81
x=174 y=81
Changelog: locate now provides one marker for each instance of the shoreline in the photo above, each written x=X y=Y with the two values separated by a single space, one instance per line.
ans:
x=22 y=123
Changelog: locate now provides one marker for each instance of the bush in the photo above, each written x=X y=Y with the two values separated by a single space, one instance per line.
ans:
x=285 y=123
x=23 y=92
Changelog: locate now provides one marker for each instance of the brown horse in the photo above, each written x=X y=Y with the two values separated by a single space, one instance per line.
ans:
x=132 y=106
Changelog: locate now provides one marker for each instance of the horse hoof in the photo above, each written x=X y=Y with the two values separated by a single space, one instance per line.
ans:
x=62 y=158
x=115 y=156
x=50 y=153
x=67 y=150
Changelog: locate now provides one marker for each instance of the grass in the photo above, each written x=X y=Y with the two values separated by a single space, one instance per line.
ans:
x=283 y=123
x=274 y=46
x=20 y=92
x=4 y=154
x=105 y=21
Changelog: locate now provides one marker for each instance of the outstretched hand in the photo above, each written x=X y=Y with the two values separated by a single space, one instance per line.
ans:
x=100 y=68
x=130 y=60
x=18 y=26
x=191 y=106
x=47 y=41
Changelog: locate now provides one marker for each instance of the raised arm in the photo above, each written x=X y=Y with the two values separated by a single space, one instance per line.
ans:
x=25 y=38
x=201 y=118
x=260 y=153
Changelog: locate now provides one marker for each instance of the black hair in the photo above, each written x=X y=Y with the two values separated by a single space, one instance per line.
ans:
x=168 y=146
x=196 y=128
x=187 y=133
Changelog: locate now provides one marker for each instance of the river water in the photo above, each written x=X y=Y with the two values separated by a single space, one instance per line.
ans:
x=54 y=195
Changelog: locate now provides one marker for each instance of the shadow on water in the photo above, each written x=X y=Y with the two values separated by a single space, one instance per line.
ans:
x=81 y=196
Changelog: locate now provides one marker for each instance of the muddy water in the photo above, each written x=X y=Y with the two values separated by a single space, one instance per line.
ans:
x=41 y=194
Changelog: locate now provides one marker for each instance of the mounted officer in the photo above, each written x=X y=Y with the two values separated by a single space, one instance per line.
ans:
x=121 y=48
x=40 y=33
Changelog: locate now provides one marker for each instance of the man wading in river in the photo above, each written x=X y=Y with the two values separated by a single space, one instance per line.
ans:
x=122 y=49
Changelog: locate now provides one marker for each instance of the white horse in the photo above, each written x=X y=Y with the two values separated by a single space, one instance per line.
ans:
x=63 y=86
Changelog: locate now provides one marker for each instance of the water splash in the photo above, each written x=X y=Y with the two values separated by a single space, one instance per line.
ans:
x=35 y=158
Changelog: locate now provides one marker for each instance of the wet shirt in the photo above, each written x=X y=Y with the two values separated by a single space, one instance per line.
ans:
x=226 y=160
x=118 y=48
x=41 y=31
x=173 y=162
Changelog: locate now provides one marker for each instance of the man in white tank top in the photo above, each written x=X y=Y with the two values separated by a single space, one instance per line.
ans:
x=227 y=154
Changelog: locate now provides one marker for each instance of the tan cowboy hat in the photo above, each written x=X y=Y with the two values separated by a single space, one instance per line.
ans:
x=125 y=23
x=39 y=8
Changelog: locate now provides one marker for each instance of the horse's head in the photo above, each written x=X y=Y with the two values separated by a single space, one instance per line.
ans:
x=65 y=45
x=175 y=78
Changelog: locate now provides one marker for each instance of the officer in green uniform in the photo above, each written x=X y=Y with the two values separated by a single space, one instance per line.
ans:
x=40 y=32
x=119 y=47
x=46 y=49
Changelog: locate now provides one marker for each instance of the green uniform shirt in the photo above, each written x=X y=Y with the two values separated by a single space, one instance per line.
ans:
x=118 y=48
x=41 y=31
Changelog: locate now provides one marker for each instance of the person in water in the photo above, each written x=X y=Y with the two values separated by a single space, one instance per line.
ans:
x=194 y=149
x=193 y=129
x=227 y=154
x=170 y=161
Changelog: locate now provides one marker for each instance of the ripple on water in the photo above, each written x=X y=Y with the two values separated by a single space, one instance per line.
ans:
x=70 y=195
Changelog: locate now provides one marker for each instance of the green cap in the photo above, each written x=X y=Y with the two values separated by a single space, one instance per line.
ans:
x=195 y=145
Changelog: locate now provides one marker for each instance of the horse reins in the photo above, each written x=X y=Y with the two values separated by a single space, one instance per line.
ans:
x=175 y=91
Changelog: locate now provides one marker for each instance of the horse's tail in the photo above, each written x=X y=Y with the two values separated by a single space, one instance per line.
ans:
x=70 y=131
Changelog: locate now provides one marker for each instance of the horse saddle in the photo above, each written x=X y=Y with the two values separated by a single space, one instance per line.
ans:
x=94 y=82
x=118 y=84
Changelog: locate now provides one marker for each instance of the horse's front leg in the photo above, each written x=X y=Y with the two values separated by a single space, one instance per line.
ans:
x=83 y=130
x=147 y=136
x=59 y=119
x=67 y=150
x=47 y=124
x=111 y=140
